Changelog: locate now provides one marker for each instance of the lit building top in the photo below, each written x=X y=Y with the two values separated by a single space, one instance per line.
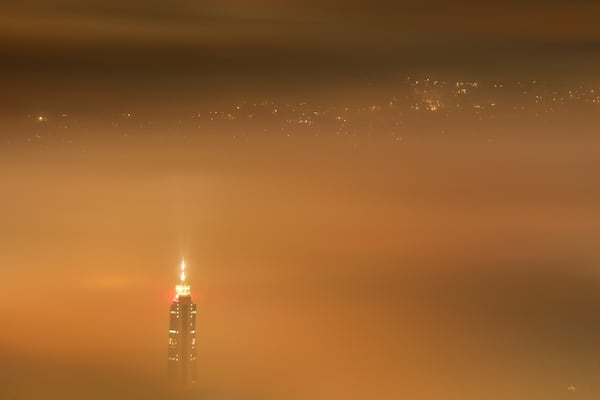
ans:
x=182 y=335
x=183 y=289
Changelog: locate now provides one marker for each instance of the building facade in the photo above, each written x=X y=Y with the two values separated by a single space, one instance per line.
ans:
x=182 y=335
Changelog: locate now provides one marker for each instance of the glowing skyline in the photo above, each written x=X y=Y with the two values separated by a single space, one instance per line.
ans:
x=382 y=199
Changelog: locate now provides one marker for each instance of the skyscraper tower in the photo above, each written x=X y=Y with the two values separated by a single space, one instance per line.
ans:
x=182 y=334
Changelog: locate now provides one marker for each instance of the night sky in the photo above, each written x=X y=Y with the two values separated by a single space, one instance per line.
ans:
x=153 y=49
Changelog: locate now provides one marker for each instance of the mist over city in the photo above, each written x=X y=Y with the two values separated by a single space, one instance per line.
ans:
x=299 y=200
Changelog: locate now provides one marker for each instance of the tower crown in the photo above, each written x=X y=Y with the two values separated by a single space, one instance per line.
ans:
x=183 y=289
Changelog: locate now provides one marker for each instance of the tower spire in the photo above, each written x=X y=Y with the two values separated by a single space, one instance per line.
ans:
x=183 y=289
x=182 y=270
